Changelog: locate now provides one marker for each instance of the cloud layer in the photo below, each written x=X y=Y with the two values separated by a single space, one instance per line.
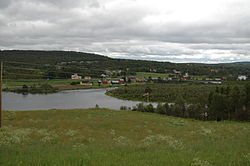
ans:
x=207 y=31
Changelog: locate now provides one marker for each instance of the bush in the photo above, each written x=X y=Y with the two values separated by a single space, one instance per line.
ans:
x=140 y=107
x=124 y=108
x=149 y=108
x=74 y=83
x=160 y=109
x=44 y=88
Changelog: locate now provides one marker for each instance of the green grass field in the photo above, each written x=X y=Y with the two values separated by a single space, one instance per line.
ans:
x=148 y=74
x=55 y=83
x=100 y=137
x=30 y=82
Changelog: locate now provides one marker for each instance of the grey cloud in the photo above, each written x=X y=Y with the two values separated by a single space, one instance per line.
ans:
x=4 y=3
x=120 y=30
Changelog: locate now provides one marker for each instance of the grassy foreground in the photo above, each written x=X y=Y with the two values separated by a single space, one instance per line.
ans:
x=100 y=137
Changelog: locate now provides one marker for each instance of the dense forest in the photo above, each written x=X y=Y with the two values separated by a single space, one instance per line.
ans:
x=61 y=64
x=203 y=102
x=192 y=93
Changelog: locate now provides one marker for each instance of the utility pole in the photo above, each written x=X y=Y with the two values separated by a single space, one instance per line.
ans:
x=1 y=87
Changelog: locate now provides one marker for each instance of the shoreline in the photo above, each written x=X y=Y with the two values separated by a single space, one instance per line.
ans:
x=60 y=88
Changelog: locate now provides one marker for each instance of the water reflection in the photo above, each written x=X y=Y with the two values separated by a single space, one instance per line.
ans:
x=63 y=100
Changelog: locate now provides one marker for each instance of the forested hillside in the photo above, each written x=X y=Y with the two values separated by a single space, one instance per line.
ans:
x=61 y=64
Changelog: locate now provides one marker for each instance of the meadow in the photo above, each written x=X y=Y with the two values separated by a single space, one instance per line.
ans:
x=149 y=74
x=61 y=84
x=29 y=82
x=94 y=137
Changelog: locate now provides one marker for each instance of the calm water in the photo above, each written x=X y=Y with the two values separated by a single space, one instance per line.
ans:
x=63 y=100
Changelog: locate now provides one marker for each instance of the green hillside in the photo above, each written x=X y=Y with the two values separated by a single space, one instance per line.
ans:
x=61 y=64
x=99 y=137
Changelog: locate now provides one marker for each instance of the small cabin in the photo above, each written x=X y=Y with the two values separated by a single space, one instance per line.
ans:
x=76 y=77
x=242 y=78
x=105 y=82
x=87 y=78
x=86 y=83
x=115 y=82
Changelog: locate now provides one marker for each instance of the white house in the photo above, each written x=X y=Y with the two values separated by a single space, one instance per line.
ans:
x=87 y=78
x=176 y=72
x=103 y=75
x=76 y=77
x=241 y=78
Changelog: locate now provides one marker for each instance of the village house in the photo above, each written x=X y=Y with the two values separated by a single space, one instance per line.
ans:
x=217 y=79
x=153 y=70
x=87 y=78
x=105 y=82
x=117 y=71
x=185 y=77
x=214 y=70
x=140 y=80
x=115 y=82
x=121 y=81
x=86 y=83
x=131 y=79
x=215 y=82
x=76 y=77
x=108 y=72
x=103 y=75
x=176 y=72
x=242 y=78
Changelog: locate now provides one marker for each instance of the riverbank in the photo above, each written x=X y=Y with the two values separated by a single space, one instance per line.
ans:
x=58 y=85
x=106 y=137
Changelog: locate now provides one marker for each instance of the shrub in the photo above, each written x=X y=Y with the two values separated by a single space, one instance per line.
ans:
x=123 y=108
x=149 y=108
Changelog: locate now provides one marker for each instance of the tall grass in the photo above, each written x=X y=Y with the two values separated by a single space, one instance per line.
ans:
x=105 y=137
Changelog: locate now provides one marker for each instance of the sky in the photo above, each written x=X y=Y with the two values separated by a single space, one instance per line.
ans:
x=205 y=31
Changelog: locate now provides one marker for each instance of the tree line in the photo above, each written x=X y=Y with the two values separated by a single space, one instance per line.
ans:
x=230 y=103
x=165 y=92
x=34 y=89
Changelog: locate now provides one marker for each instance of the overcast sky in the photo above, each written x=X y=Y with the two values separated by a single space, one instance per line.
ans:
x=207 y=31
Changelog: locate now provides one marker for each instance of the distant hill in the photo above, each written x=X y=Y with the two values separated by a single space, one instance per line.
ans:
x=47 y=57
x=247 y=63
x=61 y=64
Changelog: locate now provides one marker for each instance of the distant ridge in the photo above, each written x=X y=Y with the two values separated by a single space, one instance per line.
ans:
x=244 y=62
x=94 y=64
x=92 y=55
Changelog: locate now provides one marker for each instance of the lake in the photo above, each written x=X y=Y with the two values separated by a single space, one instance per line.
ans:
x=71 y=99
